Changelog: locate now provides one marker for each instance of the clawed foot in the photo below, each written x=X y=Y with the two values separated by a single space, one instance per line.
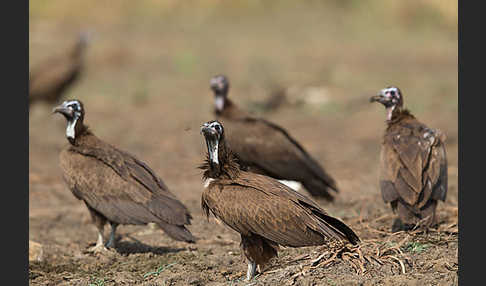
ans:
x=99 y=248
x=110 y=244
x=398 y=225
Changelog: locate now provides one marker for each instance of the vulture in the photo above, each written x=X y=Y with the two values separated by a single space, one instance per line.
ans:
x=413 y=164
x=264 y=211
x=116 y=186
x=263 y=147
x=49 y=80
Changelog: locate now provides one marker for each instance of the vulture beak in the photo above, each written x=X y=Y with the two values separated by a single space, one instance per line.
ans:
x=216 y=84
x=386 y=100
x=212 y=143
x=380 y=97
x=64 y=110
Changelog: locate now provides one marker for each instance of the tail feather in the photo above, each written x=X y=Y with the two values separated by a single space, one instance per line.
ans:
x=350 y=235
x=177 y=232
x=318 y=188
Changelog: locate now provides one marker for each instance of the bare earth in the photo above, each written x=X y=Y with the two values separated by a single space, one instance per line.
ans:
x=146 y=90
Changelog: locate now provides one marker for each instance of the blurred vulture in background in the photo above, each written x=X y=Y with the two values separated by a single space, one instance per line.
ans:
x=115 y=185
x=413 y=175
x=49 y=80
x=265 y=212
x=265 y=148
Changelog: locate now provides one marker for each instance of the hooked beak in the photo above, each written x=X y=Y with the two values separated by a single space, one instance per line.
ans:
x=64 y=110
x=216 y=84
x=380 y=97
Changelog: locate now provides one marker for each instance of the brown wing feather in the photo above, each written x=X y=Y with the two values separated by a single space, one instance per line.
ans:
x=119 y=186
x=261 y=205
x=51 y=77
x=411 y=160
x=271 y=149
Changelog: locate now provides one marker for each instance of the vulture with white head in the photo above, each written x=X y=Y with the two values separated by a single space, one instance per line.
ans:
x=116 y=186
x=264 y=211
x=413 y=164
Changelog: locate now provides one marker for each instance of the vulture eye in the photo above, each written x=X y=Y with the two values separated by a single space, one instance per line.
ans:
x=218 y=128
x=392 y=93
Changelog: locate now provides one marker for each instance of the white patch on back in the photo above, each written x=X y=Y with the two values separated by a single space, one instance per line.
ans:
x=207 y=182
x=291 y=184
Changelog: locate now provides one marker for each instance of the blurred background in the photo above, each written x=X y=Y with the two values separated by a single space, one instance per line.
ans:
x=309 y=66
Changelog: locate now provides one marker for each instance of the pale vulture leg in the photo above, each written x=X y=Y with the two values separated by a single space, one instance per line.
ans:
x=251 y=270
x=99 y=244
x=111 y=240
x=296 y=186
x=99 y=221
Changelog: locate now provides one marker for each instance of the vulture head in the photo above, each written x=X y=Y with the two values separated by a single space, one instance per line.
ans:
x=391 y=97
x=213 y=133
x=220 y=86
x=73 y=111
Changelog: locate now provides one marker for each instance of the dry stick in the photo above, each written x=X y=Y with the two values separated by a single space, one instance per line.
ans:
x=327 y=261
x=377 y=260
x=345 y=258
x=300 y=257
x=356 y=266
x=293 y=277
x=399 y=261
x=318 y=259
x=382 y=217
x=361 y=256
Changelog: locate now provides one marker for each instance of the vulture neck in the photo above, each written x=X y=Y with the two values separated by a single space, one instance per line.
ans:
x=398 y=115
x=80 y=131
x=231 y=111
x=78 y=50
x=227 y=167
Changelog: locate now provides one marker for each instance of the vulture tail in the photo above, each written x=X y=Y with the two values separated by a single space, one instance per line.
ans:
x=318 y=188
x=346 y=230
x=177 y=232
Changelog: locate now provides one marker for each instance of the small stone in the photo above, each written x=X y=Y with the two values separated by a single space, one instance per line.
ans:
x=36 y=251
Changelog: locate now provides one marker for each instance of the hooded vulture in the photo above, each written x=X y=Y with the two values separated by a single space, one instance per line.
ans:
x=265 y=148
x=264 y=211
x=413 y=164
x=116 y=186
x=50 y=79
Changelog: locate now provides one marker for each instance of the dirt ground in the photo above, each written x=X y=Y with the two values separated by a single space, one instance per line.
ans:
x=146 y=90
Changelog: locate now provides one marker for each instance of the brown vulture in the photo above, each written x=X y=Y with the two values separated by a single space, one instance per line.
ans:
x=265 y=148
x=49 y=80
x=264 y=211
x=115 y=185
x=413 y=164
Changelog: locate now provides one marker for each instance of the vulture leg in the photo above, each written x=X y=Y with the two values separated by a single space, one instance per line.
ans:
x=99 y=221
x=99 y=247
x=406 y=217
x=111 y=241
x=251 y=270
x=428 y=214
x=258 y=251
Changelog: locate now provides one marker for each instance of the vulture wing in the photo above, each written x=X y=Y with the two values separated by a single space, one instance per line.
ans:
x=51 y=76
x=270 y=148
x=413 y=164
x=120 y=187
x=272 y=210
